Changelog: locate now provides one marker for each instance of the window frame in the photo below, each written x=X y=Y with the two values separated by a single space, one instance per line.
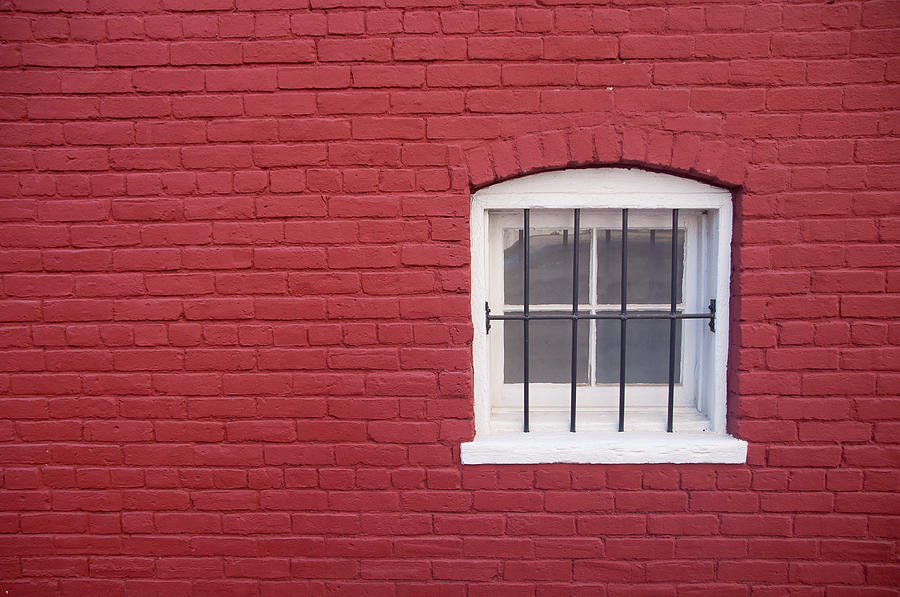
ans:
x=601 y=188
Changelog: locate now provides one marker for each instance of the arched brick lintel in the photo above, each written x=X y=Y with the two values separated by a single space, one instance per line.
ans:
x=709 y=158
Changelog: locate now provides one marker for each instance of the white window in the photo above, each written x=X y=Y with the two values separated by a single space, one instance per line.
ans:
x=673 y=308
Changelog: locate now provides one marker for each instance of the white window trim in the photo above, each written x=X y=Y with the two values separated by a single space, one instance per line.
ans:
x=612 y=188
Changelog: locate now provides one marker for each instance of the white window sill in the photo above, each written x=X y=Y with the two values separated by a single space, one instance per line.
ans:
x=604 y=448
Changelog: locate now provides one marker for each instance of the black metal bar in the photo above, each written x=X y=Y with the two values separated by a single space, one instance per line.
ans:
x=604 y=315
x=670 y=413
x=527 y=250
x=623 y=327
x=572 y=399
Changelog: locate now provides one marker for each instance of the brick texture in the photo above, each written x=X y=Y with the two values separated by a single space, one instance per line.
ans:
x=234 y=294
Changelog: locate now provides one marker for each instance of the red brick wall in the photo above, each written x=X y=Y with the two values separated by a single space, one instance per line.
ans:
x=234 y=294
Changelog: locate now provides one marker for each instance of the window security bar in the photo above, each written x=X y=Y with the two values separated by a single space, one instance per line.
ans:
x=623 y=315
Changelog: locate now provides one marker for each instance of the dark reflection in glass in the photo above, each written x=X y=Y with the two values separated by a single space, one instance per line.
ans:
x=649 y=266
x=550 y=351
x=551 y=266
x=646 y=350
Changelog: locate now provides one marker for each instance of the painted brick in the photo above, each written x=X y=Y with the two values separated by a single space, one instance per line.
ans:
x=235 y=280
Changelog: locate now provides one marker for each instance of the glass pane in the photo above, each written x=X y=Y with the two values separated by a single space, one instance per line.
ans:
x=550 y=351
x=646 y=351
x=550 y=266
x=649 y=265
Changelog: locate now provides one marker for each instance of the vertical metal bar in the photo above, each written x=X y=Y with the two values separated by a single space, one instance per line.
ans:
x=592 y=301
x=574 y=319
x=670 y=416
x=623 y=326
x=527 y=250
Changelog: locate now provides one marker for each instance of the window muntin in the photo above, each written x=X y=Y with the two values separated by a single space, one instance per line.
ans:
x=601 y=193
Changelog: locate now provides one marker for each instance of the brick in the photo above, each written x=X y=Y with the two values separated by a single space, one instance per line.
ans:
x=216 y=157
x=813 y=525
x=86 y=159
x=719 y=99
x=251 y=283
x=60 y=565
x=433 y=48
x=332 y=77
x=865 y=502
x=412 y=102
x=289 y=308
x=565 y=100
x=577 y=47
x=205 y=52
x=768 y=72
x=34 y=82
x=99 y=134
x=804 y=456
x=31 y=134
x=354 y=50
x=216 y=258
x=799 y=502
x=292 y=51
x=135 y=107
x=463 y=75
x=267 y=156
x=872 y=43
x=247 y=79
x=692 y=524
x=504 y=48
x=753 y=570
x=388 y=76
x=650 y=46
x=244 y=130
x=331 y=283
x=824 y=572
x=132 y=54
x=870 y=359
x=470 y=570
x=502 y=101
x=546 y=570
x=604 y=570
x=388 y=128
x=874 y=306
x=207 y=106
x=462 y=127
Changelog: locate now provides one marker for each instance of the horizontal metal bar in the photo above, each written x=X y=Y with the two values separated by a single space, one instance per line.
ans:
x=616 y=315
x=601 y=308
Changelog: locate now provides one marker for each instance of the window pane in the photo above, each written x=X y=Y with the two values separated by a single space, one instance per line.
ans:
x=649 y=263
x=550 y=351
x=646 y=351
x=550 y=266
